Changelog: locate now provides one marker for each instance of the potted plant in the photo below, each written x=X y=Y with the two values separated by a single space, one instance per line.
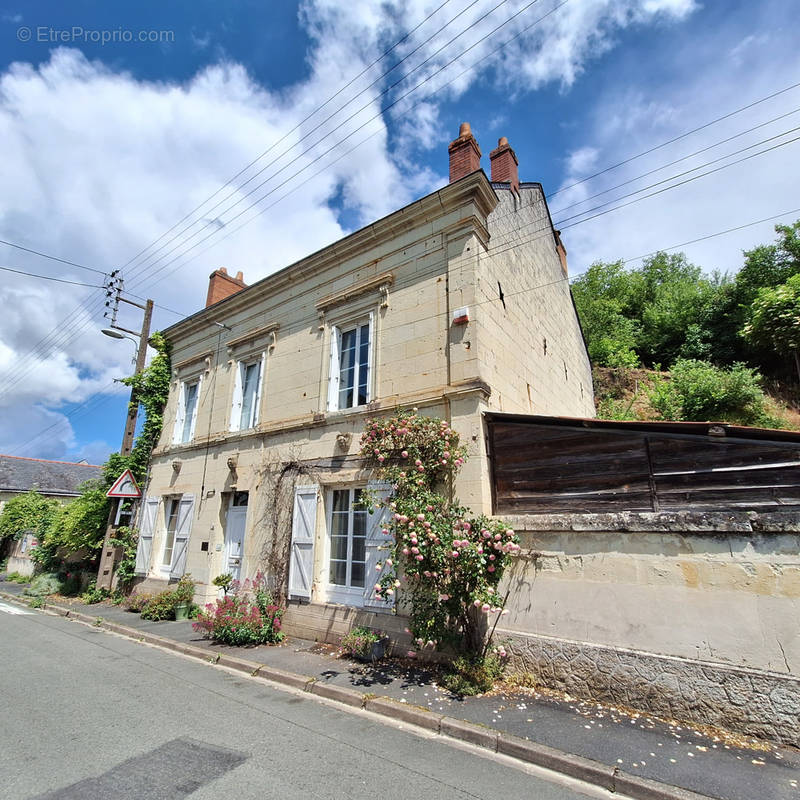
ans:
x=184 y=594
x=365 y=644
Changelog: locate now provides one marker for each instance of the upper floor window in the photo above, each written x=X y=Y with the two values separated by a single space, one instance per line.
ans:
x=186 y=416
x=246 y=395
x=350 y=365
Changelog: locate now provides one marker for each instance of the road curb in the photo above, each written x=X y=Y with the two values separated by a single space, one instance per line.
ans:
x=584 y=769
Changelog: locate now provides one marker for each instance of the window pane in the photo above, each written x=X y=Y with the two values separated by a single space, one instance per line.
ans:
x=249 y=389
x=347 y=369
x=338 y=573
x=341 y=498
x=357 y=575
x=359 y=523
x=169 y=537
x=339 y=547
x=359 y=548
x=190 y=401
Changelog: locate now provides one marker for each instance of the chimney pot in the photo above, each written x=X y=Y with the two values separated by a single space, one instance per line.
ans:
x=501 y=141
x=240 y=276
x=465 y=155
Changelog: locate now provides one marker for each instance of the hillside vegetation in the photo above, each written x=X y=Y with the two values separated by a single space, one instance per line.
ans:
x=670 y=341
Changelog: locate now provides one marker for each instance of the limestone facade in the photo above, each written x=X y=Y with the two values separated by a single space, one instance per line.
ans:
x=456 y=304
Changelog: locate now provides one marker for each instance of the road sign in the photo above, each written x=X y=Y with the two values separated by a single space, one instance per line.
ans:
x=124 y=486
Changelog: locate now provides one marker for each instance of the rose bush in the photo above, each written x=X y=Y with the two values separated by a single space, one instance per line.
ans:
x=446 y=561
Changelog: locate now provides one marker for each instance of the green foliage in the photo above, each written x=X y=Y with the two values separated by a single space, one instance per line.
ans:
x=94 y=595
x=137 y=601
x=44 y=584
x=477 y=674
x=359 y=641
x=774 y=320
x=184 y=591
x=127 y=539
x=16 y=577
x=447 y=563
x=700 y=392
x=247 y=616
x=160 y=607
x=151 y=389
x=37 y=602
x=27 y=513
x=223 y=582
x=666 y=309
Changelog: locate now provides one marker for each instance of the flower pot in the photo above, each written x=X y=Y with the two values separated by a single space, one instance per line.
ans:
x=377 y=652
x=182 y=611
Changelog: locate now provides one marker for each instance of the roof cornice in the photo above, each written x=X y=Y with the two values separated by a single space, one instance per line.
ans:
x=474 y=187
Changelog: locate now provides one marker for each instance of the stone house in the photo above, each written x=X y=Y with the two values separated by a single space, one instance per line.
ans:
x=457 y=304
x=60 y=480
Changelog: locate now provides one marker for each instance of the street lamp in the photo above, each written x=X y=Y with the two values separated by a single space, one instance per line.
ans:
x=114 y=334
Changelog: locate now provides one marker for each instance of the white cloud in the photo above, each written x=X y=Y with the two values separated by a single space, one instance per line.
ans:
x=98 y=163
x=633 y=118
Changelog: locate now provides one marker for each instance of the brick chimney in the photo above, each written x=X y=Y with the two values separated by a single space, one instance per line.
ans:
x=504 y=164
x=562 y=254
x=221 y=285
x=465 y=155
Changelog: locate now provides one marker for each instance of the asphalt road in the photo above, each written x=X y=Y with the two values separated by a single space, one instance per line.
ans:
x=89 y=715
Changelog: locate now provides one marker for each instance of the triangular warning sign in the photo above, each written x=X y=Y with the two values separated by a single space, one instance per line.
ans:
x=124 y=486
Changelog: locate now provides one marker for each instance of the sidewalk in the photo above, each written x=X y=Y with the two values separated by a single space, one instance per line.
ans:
x=637 y=745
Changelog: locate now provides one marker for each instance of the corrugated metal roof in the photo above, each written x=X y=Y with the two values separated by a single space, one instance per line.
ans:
x=49 y=477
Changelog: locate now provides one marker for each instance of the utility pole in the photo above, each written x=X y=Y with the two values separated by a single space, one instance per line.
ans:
x=108 y=554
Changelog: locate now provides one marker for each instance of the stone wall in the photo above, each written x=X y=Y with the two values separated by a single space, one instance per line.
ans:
x=754 y=702
x=687 y=615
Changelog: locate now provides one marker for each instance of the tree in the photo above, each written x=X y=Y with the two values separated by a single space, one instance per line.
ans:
x=26 y=513
x=774 y=319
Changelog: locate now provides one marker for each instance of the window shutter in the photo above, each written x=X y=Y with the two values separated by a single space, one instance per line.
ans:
x=180 y=413
x=196 y=406
x=182 y=530
x=377 y=545
x=236 y=406
x=301 y=557
x=145 y=546
x=333 y=373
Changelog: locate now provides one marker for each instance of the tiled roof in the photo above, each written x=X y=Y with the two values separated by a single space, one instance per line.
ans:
x=49 y=477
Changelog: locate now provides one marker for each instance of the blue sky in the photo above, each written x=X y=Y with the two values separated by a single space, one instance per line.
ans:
x=108 y=145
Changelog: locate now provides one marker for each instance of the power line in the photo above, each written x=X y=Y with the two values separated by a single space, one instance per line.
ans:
x=52 y=258
x=303 y=121
x=49 y=278
x=677 y=138
x=379 y=115
x=348 y=136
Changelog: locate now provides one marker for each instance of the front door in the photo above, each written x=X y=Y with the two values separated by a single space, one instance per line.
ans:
x=234 y=534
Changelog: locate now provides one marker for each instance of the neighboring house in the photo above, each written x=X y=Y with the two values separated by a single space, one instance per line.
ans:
x=457 y=304
x=56 y=479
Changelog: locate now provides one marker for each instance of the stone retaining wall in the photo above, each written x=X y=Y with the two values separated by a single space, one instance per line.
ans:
x=753 y=702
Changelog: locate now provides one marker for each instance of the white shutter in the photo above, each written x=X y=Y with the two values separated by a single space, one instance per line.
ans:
x=182 y=529
x=236 y=405
x=333 y=373
x=377 y=545
x=145 y=546
x=180 y=414
x=301 y=555
x=259 y=384
x=196 y=406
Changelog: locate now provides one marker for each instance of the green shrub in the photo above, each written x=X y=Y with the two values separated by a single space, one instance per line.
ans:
x=184 y=591
x=37 y=602
x=93 y=594
x=44 y=584
x=137 y=601
x=15 y=577
x=236 y=620
x=470 y=675
x=359 y=641
x=699 y=391
x=161 y=606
